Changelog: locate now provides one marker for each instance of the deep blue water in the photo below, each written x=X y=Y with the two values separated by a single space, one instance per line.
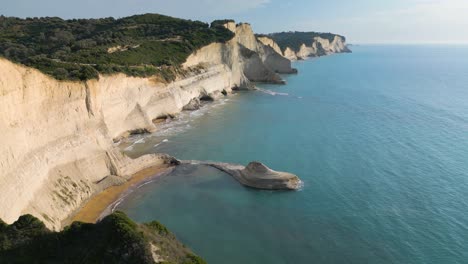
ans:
x=380 y=139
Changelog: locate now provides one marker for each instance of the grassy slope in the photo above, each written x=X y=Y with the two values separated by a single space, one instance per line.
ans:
x=78 y=49
x=116 y=239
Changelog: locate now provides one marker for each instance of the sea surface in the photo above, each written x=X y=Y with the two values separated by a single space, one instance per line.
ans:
x=379 y=137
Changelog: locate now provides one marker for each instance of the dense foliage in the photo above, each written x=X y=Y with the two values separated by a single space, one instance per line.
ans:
x=116 y=239
x=79 y=49
x=295 y=39
x=221 y=22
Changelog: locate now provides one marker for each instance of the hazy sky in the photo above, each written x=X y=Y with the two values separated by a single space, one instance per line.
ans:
x=361 y=21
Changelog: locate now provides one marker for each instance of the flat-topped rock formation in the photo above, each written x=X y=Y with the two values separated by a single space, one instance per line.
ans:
x=256 y=175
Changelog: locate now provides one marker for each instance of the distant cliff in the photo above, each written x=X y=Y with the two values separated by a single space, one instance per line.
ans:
x=300 y=45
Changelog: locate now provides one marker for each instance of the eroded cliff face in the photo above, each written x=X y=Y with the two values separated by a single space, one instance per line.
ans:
x=57 y=148
x=247 y=57
x=269 y=42
x=290 y=54
x=338 y=45
x=323 y=47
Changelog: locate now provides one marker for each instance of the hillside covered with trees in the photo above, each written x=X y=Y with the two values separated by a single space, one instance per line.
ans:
x=295 y=39
x=79 y=49
x=115 y=239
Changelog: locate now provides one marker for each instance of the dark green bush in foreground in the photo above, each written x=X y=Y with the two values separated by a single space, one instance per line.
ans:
x=78 y=49
x=116 y=239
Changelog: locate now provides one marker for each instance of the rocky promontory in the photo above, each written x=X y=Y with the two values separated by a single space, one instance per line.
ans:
x=256 y=175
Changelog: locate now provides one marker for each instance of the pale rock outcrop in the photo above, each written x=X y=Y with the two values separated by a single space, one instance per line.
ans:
x=319 y=47
x=248 y=59
x=231 y=26
x=338 y=45
x=290 y=54
x=271 y=59
x=306 y=51
x=194 y=104
x=56 y=149
x=269 y=42
x=256 y=175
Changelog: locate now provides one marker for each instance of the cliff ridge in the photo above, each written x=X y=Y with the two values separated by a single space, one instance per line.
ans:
x=301 y=45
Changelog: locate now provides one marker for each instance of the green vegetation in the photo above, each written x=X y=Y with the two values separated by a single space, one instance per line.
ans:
x=115 y=239
x=295 y=39
x=221 y=22
x=79 y=49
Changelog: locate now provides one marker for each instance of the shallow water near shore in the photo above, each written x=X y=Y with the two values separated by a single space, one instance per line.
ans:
x=379 y=137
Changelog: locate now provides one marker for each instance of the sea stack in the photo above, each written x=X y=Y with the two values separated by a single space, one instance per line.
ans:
x=258 y=175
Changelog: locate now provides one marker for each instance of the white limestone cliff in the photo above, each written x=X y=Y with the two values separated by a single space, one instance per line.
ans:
x=338 y=45
x=269 y=42
x=318 y=47
x=56 y=149
x=290 y=54
x=248 y=58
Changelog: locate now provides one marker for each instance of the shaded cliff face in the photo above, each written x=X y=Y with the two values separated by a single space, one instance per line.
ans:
x=269 y=42
x=57 y=146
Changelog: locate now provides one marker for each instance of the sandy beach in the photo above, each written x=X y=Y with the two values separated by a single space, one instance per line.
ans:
x=93 y=209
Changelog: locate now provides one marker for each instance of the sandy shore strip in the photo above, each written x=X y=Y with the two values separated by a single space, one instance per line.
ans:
x=97 y=205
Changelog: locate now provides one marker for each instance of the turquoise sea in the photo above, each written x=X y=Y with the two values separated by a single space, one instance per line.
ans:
x=379 y=137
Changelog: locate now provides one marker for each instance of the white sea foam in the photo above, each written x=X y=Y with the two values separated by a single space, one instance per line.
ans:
x=164 y=141
x=140 y=141
x=270 y=92
x=183 y=122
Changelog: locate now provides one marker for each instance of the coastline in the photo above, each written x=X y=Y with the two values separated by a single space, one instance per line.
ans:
x=102 y=202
